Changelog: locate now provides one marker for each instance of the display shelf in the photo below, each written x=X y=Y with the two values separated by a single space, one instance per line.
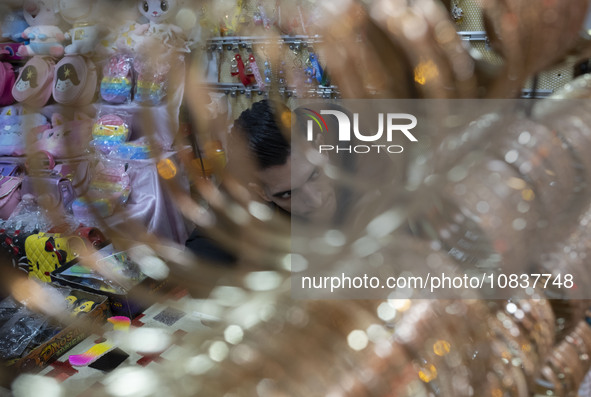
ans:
x=235 y=89
x=231 y=42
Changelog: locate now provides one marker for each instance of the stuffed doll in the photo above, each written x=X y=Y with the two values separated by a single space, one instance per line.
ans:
x=85 y=32
x=43 y=32
x=15 y=126
x=13 y=25
x=158 y=30
x=66 y=138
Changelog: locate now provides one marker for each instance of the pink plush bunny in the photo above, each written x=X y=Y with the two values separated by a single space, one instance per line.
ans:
x=43 y=32
x=66 y=138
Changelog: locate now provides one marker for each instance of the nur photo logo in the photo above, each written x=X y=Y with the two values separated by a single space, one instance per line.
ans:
x=390 y=124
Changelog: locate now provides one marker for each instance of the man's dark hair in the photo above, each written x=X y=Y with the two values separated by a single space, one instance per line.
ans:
x=258 y=128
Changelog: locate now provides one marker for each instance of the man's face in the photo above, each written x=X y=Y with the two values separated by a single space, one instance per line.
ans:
x=300 y=188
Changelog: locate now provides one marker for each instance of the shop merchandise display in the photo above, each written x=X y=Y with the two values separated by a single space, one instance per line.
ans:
x=59 y=101
x=91 y=146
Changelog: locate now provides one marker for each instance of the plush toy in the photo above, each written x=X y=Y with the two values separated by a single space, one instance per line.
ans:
x=66 y=137
x=159 y=30
x=13 y=25
x=14 y=127
x=44 y=34
x=85 y=32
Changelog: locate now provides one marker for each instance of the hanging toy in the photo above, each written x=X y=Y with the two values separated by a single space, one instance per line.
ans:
x=265 y=21
x=315 y=72
x=457 y=13
x=255 y=71
x=239 y=69
x=281 y=74
x=268 y=72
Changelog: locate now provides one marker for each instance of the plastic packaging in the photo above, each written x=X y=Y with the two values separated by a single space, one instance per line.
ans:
x=117 y=81
x=109 y=187
x=110 y=130
x=28 y=217
x=152 y=80
x=18 y=332
x=136 y=150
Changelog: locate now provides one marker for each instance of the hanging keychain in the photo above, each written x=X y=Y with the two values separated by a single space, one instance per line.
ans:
x=268 y=72
x=309 y=72
x=266 y=21
x=248 y=77
x=456 y=12
x=238 y=69
x=241 y=70
x=255 y=70
x=234 y=64
x=281 y=73
x=316 y=71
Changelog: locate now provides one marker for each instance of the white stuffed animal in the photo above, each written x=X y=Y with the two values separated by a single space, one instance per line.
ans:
x=85 y=32
x=159 y=29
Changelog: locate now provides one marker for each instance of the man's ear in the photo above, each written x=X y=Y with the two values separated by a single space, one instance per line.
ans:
x=258 y=189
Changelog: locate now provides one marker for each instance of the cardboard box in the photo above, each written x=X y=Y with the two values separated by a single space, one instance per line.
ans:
x=127 y=304
x=68 y=337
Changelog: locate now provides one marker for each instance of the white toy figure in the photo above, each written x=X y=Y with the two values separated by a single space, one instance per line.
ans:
x=85 y=32
x=159 y=13
x=43 y=32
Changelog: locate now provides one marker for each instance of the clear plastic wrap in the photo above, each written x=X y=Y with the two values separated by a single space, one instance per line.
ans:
x=19 y=331
x=110 y=130
x=152 y=80
x=117 y=82
x=135 y=150
x=28 y=217
x=109 y=188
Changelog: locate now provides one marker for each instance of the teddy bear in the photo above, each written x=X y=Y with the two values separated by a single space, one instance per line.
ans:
x=43 y=32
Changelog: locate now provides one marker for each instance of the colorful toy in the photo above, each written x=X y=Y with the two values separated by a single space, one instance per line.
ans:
x=85 y=32
x=109 y=188
x=136 y=150
x=43 y=32
x=117 y=79
x=109 y=131
x=111 y=182
x=120 y=324
x=84 y=209
x=152 y=80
